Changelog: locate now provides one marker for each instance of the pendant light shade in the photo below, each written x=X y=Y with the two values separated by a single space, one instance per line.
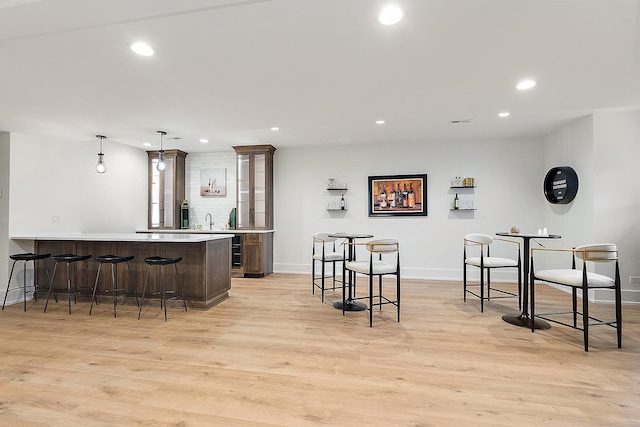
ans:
x=161 y=164
x=100 y=166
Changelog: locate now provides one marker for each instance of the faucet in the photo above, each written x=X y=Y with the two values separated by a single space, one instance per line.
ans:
x=211 y=222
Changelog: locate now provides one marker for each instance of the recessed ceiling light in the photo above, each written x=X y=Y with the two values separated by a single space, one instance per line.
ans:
x=204 y=140
x=146 y=144
x=142 y=49
x=391 y=14
x=504 y=114
x=526 y=84
x=275 y=128
x=380 y=122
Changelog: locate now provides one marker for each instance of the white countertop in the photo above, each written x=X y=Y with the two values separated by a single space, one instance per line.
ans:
x=126 y=237
x=203 y=231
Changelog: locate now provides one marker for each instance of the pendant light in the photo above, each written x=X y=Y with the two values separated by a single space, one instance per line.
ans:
x=161 y=164
x=100 y=166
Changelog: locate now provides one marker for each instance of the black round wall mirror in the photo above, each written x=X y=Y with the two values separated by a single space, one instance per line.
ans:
x=560 y=185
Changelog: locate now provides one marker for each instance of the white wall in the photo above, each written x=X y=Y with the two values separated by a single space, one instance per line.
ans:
x=4 y=209
x=508 y=178
x=55 y=187
x=572 y=146
x=617 y=191
x=604 y=151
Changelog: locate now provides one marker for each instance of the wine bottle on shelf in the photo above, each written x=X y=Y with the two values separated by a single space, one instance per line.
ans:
x=342 y=202
x=456 y=202
x=412 y=196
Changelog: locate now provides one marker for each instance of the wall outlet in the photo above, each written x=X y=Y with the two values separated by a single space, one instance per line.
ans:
x=55 y=219
x=634 y=279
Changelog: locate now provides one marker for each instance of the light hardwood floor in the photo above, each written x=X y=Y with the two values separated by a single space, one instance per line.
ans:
x=274 y=355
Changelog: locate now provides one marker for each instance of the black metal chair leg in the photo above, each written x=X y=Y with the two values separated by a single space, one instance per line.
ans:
x=8 y=284
x=95 y=286
x=144 y=289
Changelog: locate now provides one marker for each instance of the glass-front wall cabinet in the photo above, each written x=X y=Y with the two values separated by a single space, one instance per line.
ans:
x=255 y=186
x=166 y=189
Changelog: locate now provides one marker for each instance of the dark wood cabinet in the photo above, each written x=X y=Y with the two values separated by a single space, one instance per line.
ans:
x=257 y=254
x=254 y=186
x=166 y=189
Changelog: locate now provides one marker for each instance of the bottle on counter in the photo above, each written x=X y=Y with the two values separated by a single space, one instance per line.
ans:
x=232 y=219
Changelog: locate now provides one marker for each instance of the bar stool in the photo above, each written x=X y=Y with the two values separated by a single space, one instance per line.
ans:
x=162 y=261
x=26 y=257
x=68 y=259
x=114 y=261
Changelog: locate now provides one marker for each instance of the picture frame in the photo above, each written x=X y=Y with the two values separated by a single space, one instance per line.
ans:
x=409 y=190
x=213 y=182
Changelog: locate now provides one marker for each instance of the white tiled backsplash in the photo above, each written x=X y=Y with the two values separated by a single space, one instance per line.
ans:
x=218 y=207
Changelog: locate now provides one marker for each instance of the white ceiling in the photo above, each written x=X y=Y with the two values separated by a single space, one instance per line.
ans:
x=322 y=70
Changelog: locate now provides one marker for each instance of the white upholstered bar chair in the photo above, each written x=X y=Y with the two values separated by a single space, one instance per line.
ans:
x=383 y=259
x=324 y=251
x=477 y=253
x=582 y=279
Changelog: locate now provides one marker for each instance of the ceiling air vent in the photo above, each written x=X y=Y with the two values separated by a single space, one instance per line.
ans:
x=455 y=122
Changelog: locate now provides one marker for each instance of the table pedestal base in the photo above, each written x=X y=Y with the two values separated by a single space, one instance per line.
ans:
x=350 y=305
x=525 y=320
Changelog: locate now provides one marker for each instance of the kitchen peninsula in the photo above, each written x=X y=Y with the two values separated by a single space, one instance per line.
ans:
x=252 y=250
x=205 y=267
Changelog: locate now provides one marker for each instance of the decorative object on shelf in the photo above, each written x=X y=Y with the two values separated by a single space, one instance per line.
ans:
x=460 y=182
x=560 y=185
x=213 y=182
x=463 y=200
x=337 y=203
x=101 y=167
x=398 y=195
x=332 y=184
x=514 y=230
x=161 y=164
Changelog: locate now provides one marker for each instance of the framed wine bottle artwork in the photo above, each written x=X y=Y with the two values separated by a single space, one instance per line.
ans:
x=398 y=195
